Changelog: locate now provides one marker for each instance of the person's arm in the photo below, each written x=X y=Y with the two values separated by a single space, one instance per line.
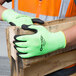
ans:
x=70 y=35
x=17 y=19
x=2 y=9
x=2 y=1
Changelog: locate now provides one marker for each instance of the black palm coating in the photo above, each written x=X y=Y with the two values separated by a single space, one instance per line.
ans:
x=21 y=53
x=26 y=27
x=18 y=51
x=36 y=20
x=19 y=56
x=18 y=41
x=15 y=46
x=12 y=24
x=16 y=36
x=14 y=42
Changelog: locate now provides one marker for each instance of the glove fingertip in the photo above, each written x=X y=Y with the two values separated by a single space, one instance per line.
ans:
x=25 y=27
x=15 y=46
x=16 y=36
x=17 y=54
x=36 y=20
x=12 y=24
x=21 y=56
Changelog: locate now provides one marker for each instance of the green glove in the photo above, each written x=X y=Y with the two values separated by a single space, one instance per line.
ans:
x=17 y=19
x=40 y=43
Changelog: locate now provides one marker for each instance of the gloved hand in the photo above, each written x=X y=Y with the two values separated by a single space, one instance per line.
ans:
x=39 y=43
x=17 y=19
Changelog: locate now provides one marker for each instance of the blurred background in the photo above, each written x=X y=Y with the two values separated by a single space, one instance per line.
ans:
x=3 y=26
x=4 y=61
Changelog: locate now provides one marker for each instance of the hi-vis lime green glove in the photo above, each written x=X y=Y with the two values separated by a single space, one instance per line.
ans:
x=40 y=43
x=17 y=19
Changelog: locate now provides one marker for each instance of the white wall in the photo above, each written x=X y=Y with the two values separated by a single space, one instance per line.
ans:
x=3 y=44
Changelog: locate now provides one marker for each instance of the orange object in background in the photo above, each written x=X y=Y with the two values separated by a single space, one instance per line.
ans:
x=13 y=4
x=39 y=9
x=31 y=6
x=71 y=11
x=48 y=7
x=70 y=66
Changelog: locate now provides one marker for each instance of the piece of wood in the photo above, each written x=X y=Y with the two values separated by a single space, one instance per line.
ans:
x=13 y=67
x=51 y=64
x=52 y=28
x=31 y=64
x=59 y=21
